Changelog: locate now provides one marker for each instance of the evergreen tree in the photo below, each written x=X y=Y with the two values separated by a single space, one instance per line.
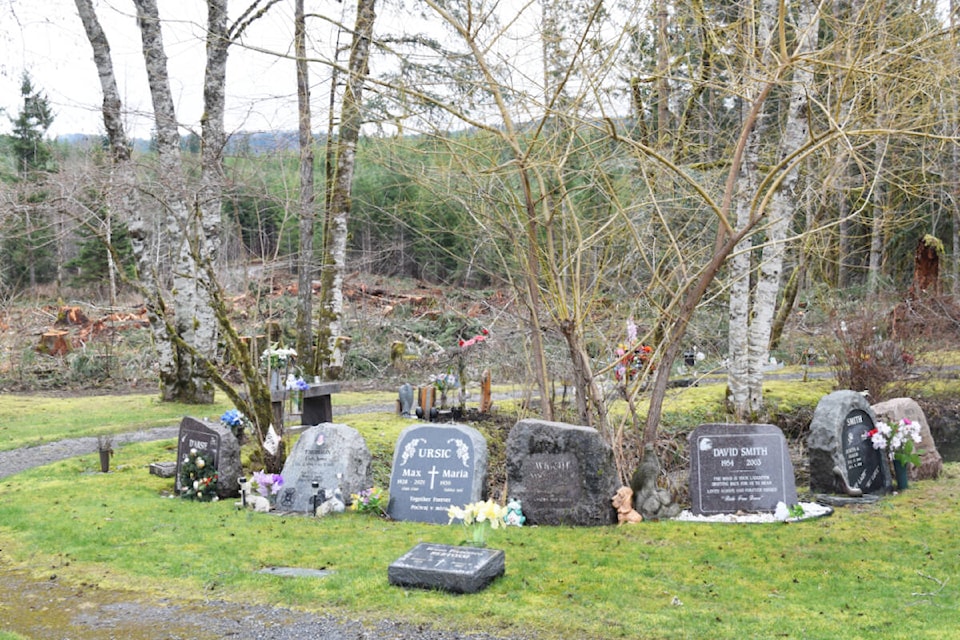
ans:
x=29 y=129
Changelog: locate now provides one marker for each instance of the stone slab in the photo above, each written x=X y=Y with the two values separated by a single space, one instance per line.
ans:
x=436 y=467
x=163 y=469
x=296 y=572
x=448 y=568
x=740 y=467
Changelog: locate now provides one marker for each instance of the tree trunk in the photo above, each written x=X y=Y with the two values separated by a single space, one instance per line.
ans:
x=307 y=211
x=783 y=203
x=180 y=377
x=123 y=198
x=332 y=352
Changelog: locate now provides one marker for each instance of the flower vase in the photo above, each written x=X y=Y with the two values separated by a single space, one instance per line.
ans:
x=275 y=380
x=900 y=470
x=479 y=534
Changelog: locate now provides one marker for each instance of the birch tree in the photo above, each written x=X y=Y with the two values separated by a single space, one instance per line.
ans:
x=331 y=343
x=751 y=320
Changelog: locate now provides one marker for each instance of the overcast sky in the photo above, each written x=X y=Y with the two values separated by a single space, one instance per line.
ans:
x=46 y=39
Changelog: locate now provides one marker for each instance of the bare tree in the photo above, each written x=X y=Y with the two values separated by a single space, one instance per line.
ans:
x=331 y=343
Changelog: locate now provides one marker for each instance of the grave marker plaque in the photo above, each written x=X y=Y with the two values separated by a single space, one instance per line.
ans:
x=321 y=454
x=561 y=473
x=440 y=566
x=740 y=467
x=435 y=468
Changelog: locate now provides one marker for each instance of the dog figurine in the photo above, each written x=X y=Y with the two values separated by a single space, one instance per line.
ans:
x=623 y=503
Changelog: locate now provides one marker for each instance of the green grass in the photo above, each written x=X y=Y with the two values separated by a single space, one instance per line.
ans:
x=887 y=570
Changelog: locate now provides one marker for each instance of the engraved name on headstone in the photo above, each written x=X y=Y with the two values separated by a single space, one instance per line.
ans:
x=739 y=467
x=435 y=468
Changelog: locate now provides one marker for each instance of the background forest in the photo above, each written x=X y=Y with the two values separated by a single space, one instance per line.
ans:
x=724 y=182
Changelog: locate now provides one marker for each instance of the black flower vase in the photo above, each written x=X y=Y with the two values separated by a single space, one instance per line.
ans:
x=900 y=470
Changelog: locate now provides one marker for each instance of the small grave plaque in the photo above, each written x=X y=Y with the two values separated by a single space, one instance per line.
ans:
x=435 y=468
x=842 y=458
x=561 y=473
x=440 y=566
x=739 y=467
x=321 y=454
x=216 y=441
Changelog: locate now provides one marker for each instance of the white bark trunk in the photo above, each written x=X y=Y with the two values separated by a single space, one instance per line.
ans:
x=780 y=211
x=179 y=377
x=308 y=213
x=334 y=262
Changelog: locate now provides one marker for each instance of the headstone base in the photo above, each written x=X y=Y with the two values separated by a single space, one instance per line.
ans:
x=448 y=568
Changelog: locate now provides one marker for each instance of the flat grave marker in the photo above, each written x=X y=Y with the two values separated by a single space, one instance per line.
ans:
x=445 y=567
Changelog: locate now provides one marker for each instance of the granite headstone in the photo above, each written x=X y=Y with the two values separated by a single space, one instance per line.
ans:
x=454 y=569
x=330 y=454
x=435 y=468
x=219 y=443
x=740 y=467
x=563 y=474
x=842 y=457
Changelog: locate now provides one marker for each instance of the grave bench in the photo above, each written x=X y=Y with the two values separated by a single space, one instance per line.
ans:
x=317 y=407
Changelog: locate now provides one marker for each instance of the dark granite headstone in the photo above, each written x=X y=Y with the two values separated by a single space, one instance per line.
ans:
x=440 y=566
x=219 y=443
x=563 y=474
x=842 y=458
x=320 y=454
x=435 y=468
x=740 y=467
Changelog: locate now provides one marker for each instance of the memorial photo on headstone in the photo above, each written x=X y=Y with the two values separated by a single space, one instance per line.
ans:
x=740 y=467
x=435 y=468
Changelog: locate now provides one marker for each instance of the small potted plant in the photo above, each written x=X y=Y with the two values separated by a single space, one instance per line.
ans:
x=899 y=442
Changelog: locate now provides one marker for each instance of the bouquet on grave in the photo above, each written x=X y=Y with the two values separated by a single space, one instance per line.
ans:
x=898 y=441
x=479 y=518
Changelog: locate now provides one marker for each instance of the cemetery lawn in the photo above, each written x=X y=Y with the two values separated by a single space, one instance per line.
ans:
x=884 y=570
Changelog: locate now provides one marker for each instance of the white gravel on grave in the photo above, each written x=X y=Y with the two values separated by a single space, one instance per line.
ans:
x=810 y=510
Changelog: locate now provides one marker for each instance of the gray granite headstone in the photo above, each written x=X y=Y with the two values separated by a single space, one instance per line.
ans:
x=219 y=443
x=740 y=467
x=435 y=468
x=322 y=452
x=440 y=566
x=563 y=474
x=842 y=458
